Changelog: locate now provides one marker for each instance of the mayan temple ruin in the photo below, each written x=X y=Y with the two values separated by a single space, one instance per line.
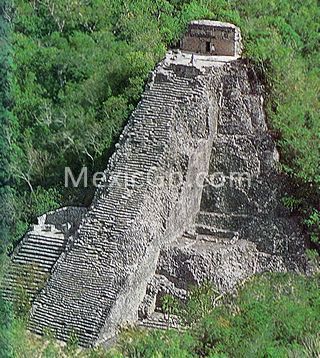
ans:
x=192 y=193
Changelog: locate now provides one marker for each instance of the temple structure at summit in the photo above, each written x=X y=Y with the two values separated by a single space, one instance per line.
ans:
x=212 y=38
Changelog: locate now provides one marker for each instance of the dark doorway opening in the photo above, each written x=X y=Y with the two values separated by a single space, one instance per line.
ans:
x=208 y=47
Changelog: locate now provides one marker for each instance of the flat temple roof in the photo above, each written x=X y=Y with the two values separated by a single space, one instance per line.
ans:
x=212 y=23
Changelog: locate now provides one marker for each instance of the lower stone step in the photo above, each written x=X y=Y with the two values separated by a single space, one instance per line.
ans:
x=160 y=321
x=231 y=222
x=216 y=232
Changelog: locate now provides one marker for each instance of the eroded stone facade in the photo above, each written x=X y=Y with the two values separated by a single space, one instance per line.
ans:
x=212 y=38
x=139 y=240
x=33 y=260
x=242 y=227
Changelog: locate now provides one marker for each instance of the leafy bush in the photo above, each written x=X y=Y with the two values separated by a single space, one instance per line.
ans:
x=137 y=343
x=199 y=303
x=274 y=315
x=313 y=223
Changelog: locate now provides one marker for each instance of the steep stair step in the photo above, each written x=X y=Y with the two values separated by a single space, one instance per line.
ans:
x=160 y=321
x=218 y=220
x=216 y=232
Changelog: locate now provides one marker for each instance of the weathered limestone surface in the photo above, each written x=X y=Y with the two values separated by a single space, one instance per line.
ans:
x=212 y=38
x=34 y=258
x=67 y=219
x=100 y=280
x=242 y=227
x=159 y=221
x=251 y=209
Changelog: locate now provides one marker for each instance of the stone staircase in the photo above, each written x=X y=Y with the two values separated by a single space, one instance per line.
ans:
x=117 y=244
x=33 y=261
x=218 y=220
x=217 y=233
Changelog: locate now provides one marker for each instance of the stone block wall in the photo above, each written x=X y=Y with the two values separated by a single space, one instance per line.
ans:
x=100 y=280
x=34 y=258
x=212 y=38
x=152 y=221
x=242 y=228
x=243 y=150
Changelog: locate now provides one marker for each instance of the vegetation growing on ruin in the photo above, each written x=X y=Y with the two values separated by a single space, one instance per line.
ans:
x=74 y=73
x=274 y=315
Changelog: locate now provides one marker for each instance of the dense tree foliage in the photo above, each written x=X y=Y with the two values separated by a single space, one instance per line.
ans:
x=5 y=117
x=5 y=188
x=274 y=315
